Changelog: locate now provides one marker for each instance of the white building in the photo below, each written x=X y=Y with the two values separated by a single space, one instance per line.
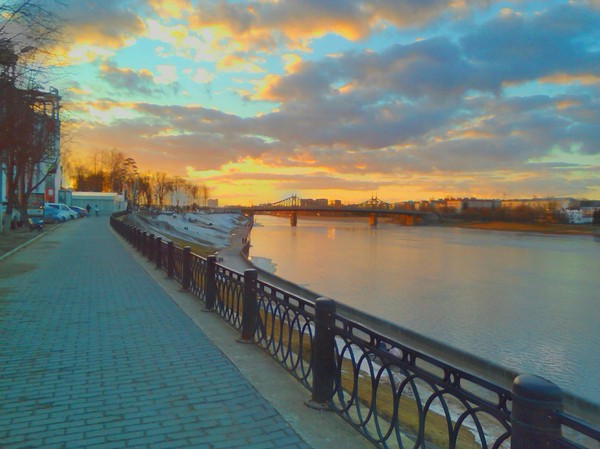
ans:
x=107 y=202
x=542 y=203
x=576 y=216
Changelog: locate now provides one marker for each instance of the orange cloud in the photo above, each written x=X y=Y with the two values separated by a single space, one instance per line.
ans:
x=266 y=24
x=570 y=78
x=93 y=30
x=170 y=9
x=469 y=134
x=234 y=63
x=565 y=104
x=265 y=91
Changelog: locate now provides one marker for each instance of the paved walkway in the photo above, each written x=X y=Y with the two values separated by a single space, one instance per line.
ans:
x=94 y=354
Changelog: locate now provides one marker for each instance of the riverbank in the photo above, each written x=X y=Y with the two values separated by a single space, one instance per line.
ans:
x=206 y=233
x=543 y=228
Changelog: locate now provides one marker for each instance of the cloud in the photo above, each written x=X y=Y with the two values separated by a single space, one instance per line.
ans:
x=139 y=81
x=97 y=26
x=504 y=100
x=170 y=9
x=235 y=63
x=199 y=75
x=266 y=24
x=514 y=48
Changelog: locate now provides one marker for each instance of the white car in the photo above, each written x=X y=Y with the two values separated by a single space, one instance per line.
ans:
x=65 y=209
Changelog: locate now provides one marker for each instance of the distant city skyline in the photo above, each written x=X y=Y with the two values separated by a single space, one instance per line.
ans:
x=344 y=98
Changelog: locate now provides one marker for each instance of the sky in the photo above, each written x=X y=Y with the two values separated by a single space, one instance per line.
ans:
x=341 y=99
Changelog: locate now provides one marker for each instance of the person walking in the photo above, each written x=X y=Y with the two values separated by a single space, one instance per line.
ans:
x=97 y=210
x=88 y=208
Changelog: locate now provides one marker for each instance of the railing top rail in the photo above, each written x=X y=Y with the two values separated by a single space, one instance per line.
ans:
x=579 y=425
x=452 y=377
x=292 y=300
x=227 y=272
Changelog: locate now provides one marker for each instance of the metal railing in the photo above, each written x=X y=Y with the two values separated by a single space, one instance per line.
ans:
x=396 y=396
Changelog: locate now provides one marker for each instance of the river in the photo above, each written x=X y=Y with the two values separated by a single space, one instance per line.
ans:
x=529 y=302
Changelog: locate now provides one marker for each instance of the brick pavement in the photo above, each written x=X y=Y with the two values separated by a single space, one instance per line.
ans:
x=94 y=354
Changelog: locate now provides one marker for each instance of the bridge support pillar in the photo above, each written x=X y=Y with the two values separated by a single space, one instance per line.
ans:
x=294 y=219
x=372 y=219
x=410 y=220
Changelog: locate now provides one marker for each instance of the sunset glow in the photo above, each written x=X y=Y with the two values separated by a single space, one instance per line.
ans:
x=341 y=99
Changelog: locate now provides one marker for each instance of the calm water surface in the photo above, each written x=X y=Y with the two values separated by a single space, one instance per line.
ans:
x=530 y=302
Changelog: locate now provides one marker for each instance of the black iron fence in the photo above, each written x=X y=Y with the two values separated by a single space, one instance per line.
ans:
x=396 y=396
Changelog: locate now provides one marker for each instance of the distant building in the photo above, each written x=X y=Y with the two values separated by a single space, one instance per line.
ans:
x=320 y=202
x=107 y=202
x=406 y=205
x=212 y=203
x=575 y=216
x=588 y=208
x=471 y=203
x=542 y=203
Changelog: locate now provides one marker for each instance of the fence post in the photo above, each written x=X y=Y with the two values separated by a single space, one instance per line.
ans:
x=170 y=259
x=144 y=242
x=249 y=307
x=210 y=282
x=323 y=355
x=535 y=401
x=158 y=252
x=150 y=247
x=187 y=268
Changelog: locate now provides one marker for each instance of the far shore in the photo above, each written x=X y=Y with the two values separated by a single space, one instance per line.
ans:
x=544 y=228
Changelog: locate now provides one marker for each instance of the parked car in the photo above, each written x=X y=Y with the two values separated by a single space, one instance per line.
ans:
x=63 y=207
x=54 y=215
x=80 y=210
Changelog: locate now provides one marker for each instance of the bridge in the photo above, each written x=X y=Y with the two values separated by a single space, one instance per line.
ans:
x=372 y=208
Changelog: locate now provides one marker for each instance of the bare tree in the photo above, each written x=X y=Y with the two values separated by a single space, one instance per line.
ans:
x=162 y=185
x=113 y=164
x=194 y=192
x=29 y=123
x=144 y=189
x=179 y=190
x=205 y=194
x=30 y=141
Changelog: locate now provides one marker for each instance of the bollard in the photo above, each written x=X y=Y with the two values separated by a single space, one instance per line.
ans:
x=170 y=259
x=210 y=282
x=144 y=242
x=150 y=247
x=158 y=252
x=323 y=355
x=535 y=401
x=187 y=268
x=249 y=307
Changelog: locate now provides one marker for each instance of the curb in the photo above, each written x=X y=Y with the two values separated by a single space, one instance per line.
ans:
x=23 y=245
